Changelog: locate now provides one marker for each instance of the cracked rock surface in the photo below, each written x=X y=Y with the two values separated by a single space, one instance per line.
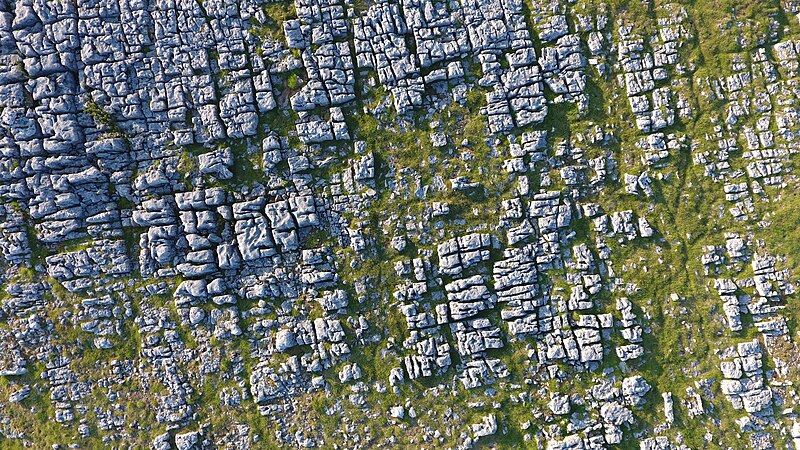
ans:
x=246 y=224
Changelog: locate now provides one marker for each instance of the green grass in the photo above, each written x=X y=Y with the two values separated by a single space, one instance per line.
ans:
x=103 y=117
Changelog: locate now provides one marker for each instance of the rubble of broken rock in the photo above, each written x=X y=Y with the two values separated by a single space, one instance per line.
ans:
x=399 y=224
